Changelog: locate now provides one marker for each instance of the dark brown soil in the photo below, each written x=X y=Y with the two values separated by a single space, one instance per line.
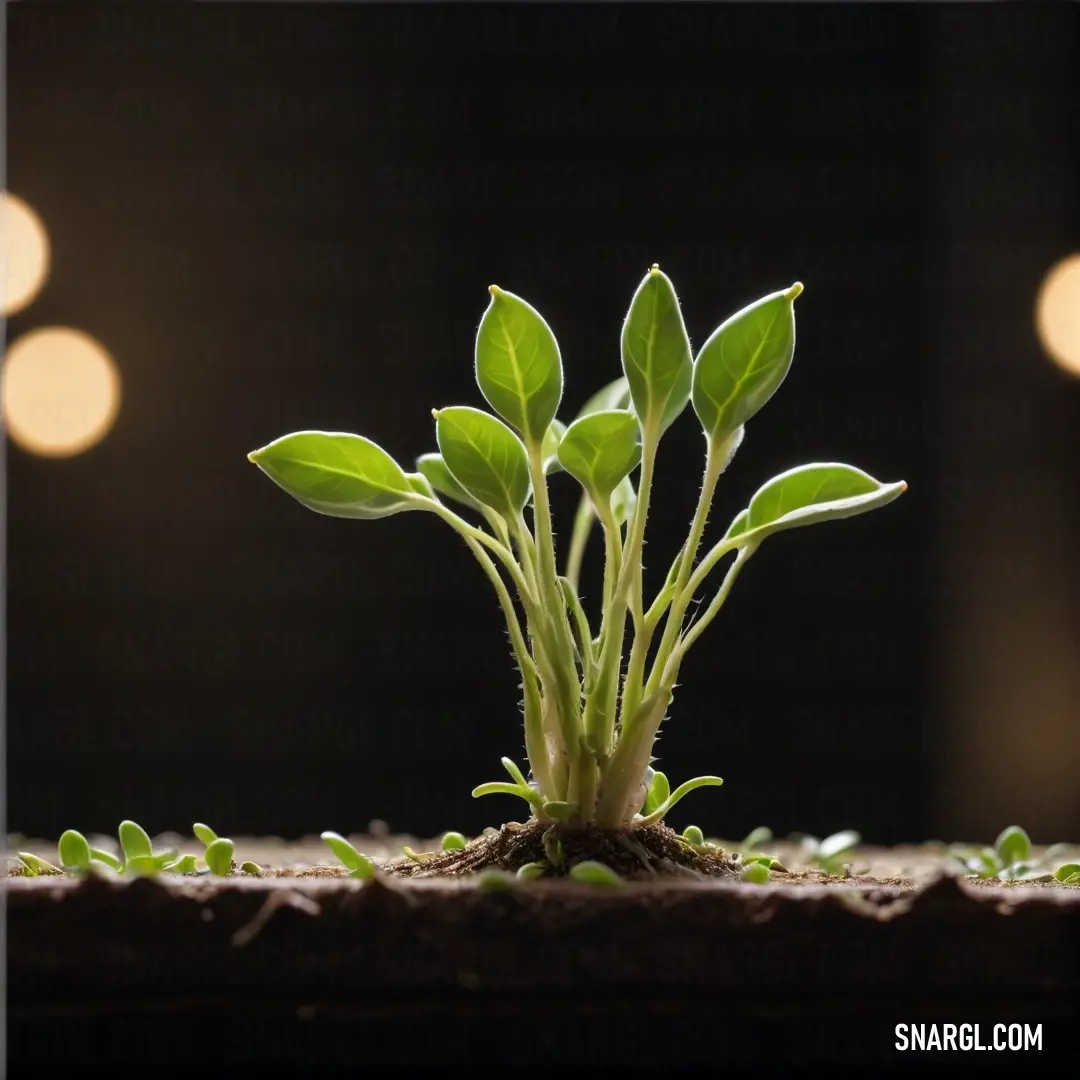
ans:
x=635 y=854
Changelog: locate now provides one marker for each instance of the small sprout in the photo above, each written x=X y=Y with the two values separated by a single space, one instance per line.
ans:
x=203 y=833
x=219 y=856
x=693 y=835
x=107 y=858
x=553 y=849
x=592 y=872
x=828 y=854
x=558 y=811
x=453 y=841
x=35 y=866
x=249 y=867
x=532 y=870
x=761 y=835
x=755 y=873
x=1069 y=874
x=492 y=880
x=359 y=866
x=768 y=861
x=134 y=841
x=417 y=856
x=1010 y=859
x=73 y=851
x=186 y=864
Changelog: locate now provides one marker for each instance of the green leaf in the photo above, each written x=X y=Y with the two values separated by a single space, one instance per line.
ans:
x=531 y=871
x=107 y=859
x=657 y=794
x=349 y=857
x=553 y=848
x=496 y=787
x=676 y=796
x=36 y=866
x=1013 y=846
x=809 y=494
x=203 y=833
x=337 y=474
x=592 y=872
x=143 y=865
x=743 y=363
x=1069 y=870
x=616 y=395
x=623 y=501
x=549 y=452
x=601 y=450
x=184 y=865
x=133 y=840
x=761 y=835
x=840 y=843
x=515 y=773
x=693 y=835
x=558 y=810
x=453 y=841
x=420 y=484
x=249 y=867
x=485 y=457
x=755 y=873
x=986 y=863
x=73 y=850
x=442 y=481
x=656 y=352
x=219 y=857
x=518 y=366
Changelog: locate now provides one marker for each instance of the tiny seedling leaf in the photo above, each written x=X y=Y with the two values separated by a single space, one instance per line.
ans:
x=485 y=457
x=553 y=849
x=35 y=865
x=337 y=474
x=616 y=395
x=73 y=850
x=134 y=841
x=807 y=495
x=250 y=867
x=145 y=865
x=184 y=865
x=743 y=363
x=531 y=871
x=761 y=835
x=420 y=484
x=657 y=794
x=756 y=873
x=557 y=810
x=592 y=872
x=518 y=366
x=656 y=352
x=693 y=835
x=492 y=880
x=600 y=450
x=839 y=843
x=453 y=841
x=219 y=857
x=549 y=452
x=1013 y=846
x=106 y=858
x=442 y=481
x=677 y=795
x=203 y=833
x=1067 y=872
x=347 y=855
x=498 y=787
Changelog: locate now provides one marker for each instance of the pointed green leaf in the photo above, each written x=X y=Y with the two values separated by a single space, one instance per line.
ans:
x=420 y=484
x=592 y=872
x=549 y=453
x=616 y=395
x=743 y=363
x=656 y=352
x=133 y=840
x=1013 y=846
x=600 y=450
x=35 y=865
x=657 y=794
x=433 y=467
x=485 y=457
x=498 y=787
x=73 y=850
x=809 y=494
x=203 y=833
x=337 y=474
x=184 y=865
x=684 y=789
x=623 y=501
x=219 y=857
x=518 y=366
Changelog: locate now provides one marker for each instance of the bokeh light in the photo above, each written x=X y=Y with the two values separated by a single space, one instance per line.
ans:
x=61 y=391
x=26 y=254
x=1057 y=314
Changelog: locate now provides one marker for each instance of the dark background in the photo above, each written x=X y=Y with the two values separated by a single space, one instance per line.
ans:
x=280 y=217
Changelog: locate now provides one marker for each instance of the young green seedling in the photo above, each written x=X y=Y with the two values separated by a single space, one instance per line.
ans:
x=1010 y=859
x=596 y=685
x=1068 y=874
x=359 y=866
x=453 y=841
x=832 y=853
x=592 y=872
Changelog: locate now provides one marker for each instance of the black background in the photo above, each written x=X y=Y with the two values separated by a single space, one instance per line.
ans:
x=280 y=217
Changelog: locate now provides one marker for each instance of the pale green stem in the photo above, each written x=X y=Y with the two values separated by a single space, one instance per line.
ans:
x=715 y=459
x=695 y=631
x=583 y=520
